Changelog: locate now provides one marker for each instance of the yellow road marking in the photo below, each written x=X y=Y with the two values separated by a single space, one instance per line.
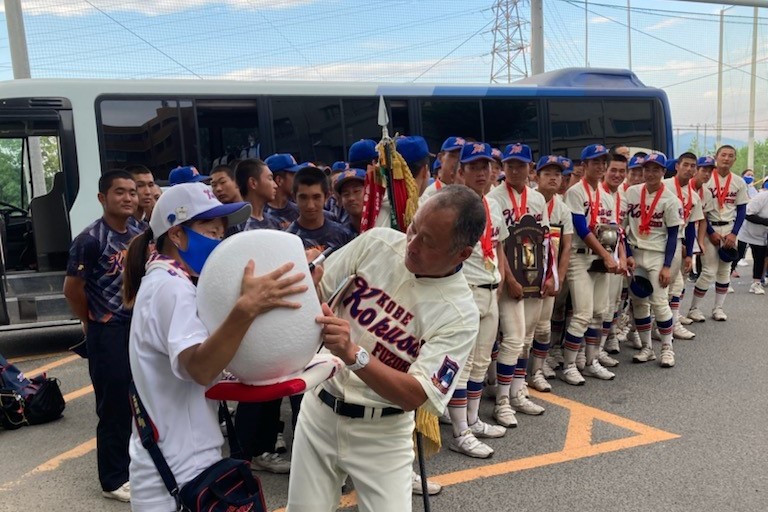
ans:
x=54 y=463
x=78 y=393
x=52 y=365
x=578 y=445
x=24 y=359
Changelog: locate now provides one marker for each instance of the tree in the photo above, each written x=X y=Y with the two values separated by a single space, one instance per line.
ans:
x=761 y=159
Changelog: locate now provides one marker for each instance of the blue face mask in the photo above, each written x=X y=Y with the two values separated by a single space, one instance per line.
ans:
x=749 y=179
x=199 y=247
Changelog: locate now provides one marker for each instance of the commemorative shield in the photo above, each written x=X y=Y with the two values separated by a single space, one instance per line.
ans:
x=526 y=253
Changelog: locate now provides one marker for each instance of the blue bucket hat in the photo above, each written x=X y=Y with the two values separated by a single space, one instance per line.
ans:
x=517 y=151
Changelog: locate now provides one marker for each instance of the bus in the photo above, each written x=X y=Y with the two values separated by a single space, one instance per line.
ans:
x=58 y=136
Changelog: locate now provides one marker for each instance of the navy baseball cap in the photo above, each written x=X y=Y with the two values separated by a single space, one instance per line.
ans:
x=453 y=143
x=517 y=151
x=550 y=160
x=671 y=163
x=347 y=176
x=186 y=174
x=413 y=148
x=636 y=162
x=476 y=151
x=656 y=158
x=282 y=162
x=339 y=166
x=705 y=161
x=594 y=151
x=567 y=165
x=364 y=149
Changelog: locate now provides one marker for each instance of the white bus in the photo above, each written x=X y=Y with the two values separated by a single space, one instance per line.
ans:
x=85 y=127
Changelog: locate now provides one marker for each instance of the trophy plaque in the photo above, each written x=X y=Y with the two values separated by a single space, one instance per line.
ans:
x=526 y=254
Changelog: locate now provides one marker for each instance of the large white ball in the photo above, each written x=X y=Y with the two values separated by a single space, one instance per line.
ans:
x=280 y=342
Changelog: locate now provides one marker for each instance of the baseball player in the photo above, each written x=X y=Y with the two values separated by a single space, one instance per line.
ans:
x=652 y=215
x=518 y=316
x=404 y=329
x=590 y=207
x=481 y=271
x=550 y=175
x=449 y=156
x=724 y=221
x=681 y=185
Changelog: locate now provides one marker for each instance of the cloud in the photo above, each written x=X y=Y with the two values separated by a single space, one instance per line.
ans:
x=72 y=8
x=671 y=22
x=599 y=19
x=678 y=68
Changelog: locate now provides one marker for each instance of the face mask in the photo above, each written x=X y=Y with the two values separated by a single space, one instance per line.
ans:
x=749 y=179
x=199 y=247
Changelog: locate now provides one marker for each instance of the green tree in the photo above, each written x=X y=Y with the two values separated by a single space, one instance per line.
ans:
x=10 y=171
x=761 y=159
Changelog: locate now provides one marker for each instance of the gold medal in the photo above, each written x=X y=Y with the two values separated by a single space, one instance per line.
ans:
x=488 y=265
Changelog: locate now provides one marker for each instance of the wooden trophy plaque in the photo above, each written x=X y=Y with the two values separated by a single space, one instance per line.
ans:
x=526 y=254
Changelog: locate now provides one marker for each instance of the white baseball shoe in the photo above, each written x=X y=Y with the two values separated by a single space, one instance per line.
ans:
x=667 y=359
x=555 y=357
x=612 y=345
x=633 y=340
x=606 y=360
x=481 y=429
x=122 y=493
x=719 y=315
x=503 y=413
x=597 y=371
x=685 y=320
x=539 y=382
x=521 y=403
x=571 y=375
x=432 y=487
x=681 y=333
x=756 y=288
x=730 y=289
x=646 y=354
x=696 y=315
x=547 y=370
x=469 y=445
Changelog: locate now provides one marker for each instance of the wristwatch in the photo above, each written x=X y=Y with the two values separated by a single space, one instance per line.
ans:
x=362 y=358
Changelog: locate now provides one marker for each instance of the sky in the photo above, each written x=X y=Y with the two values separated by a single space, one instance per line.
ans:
x=674 y=44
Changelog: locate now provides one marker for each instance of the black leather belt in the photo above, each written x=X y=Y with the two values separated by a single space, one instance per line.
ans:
x=488 y=286
x=720 y=223
x=342 y=408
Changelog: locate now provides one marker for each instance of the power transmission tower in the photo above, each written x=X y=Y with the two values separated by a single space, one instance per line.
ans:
x=510 y=49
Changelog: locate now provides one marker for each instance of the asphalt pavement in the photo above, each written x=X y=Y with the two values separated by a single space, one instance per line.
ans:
x=688 y=438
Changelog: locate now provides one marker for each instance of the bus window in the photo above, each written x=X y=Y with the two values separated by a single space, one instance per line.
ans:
x=141 y=132
x=229 y=129
x=361 y=120
x=398 y=117
x=308 y=128
x=443 y=118
x=508 y=121
x=574 y=125
x=629 y=122
x=13 y=193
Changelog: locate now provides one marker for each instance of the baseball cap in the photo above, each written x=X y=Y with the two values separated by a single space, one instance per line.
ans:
x=364 y=149
x=635 y=162
x=193 y=201
x=282 y=162
x=517 y=151
x=436 y=164
x=496 y=154
x=475 y=151
x=339 y=166
x=550 y=160
x=671 y=163
x=656 y=158
x=413 y=148
x=705 y=161
x=347 y=176
x=593 y=151
x=567 y=166
x=186 y=174
x=453 y=143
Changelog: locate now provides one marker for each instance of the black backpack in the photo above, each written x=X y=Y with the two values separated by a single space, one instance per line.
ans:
x=26 y=401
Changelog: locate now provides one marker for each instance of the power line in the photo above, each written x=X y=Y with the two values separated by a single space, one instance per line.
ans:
x=710 y=74
x=452 y=51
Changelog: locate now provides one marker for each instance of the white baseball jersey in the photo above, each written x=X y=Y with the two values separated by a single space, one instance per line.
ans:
x=536 y=205
x=579 y=203
x=431 y=190
x=730 y=194
x=667 y=213
x=684 y=194
x=423 y=326
x=560 y=215
x=474 y=267
x=616 y=199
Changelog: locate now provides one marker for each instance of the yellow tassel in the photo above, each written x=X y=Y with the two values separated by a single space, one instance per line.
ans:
x=400 y=171
x=429 y=427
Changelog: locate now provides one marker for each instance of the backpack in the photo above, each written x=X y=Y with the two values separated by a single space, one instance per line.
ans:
x=26 y=401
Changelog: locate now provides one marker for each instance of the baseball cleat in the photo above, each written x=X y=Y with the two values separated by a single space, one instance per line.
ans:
x=719 y=315
x=432 y=487
x=685 y=320
x=612 y=345
x=597 y=371
x=646 y=354
x=521 y=403
x=547 y=370
x=469 y=445
x=481 y=429
x=571 y=375
x=503 y=413
x=696 y=315
x=681 y=333
x=667 y=359
x=539 y=382
x=606 y=360
x=633 y=340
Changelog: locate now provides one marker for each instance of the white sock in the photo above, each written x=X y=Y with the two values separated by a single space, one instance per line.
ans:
x=458 y=420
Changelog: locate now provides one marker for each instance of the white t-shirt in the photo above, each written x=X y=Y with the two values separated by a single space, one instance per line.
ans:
x=736 y=195
x=423 y=326
x=668 y=213
x=474 y=267
x=755 y=233
x=164 y=324
x=578 y=202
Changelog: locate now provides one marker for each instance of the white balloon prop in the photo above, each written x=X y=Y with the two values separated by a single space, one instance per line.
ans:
x=279 y=343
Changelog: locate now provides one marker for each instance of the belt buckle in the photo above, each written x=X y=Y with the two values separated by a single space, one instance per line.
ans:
x=337 y=405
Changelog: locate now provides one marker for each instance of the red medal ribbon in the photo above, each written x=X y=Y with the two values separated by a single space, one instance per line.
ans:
x=519 y=212
x=486 y=241
x=722 y=193
x=550 y=207
x=438 y=184
x=618 y=201
x=686 y=205
x=647 y=214
x=593 y=206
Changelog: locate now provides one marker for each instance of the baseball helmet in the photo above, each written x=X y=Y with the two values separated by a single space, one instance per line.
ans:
x=640 y=285
x=728 y=255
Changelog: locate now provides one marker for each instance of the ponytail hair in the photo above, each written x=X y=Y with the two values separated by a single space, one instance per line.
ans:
x=134 y=266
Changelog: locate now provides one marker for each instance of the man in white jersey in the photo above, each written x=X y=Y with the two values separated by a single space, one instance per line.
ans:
x=724 y=221
x=404 y=329
x=449 y=155
x=652 y=215
x=481 y=271
x=550 y=174
x=682 y=186
x=590 y=207
x=518 y=316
